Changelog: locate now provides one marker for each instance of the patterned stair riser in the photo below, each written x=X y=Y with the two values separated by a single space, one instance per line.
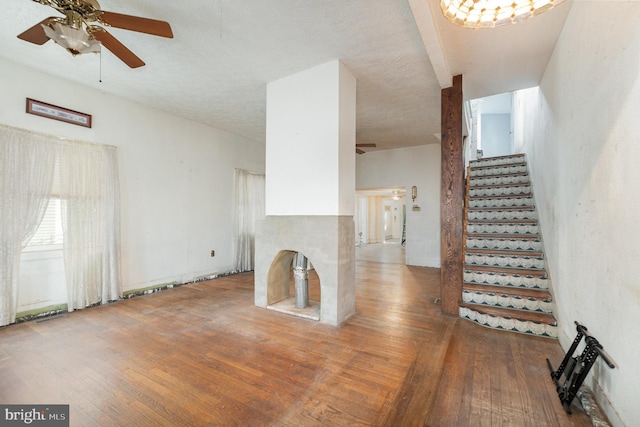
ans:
x=504 y=279
x=508 y=301
x=497 y=161
x=500 y=203
x=513 y=190
x=504 y=244
x=508 y=324
x=499 y=170
x=504 y=261
x=502 y=214
x=498 y=180
x=488 y=228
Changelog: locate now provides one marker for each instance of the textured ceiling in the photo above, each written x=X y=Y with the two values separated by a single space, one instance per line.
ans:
x=224 y=53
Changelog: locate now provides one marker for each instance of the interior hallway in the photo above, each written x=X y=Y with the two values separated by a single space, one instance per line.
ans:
x=203 y=354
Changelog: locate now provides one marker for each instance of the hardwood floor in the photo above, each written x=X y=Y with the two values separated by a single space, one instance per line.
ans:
x=203 y=354
x=389 y=252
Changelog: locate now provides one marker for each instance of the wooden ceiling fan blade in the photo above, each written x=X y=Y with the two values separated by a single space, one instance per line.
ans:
x=117 y=48
x=36 y=33
x=366 y=145
x=135 y=23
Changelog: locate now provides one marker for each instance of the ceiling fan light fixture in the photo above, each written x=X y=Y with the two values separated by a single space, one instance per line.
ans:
x=76 y=41
x=493 y=13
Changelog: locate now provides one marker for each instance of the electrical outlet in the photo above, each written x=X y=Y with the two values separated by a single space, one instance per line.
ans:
x=213 y=253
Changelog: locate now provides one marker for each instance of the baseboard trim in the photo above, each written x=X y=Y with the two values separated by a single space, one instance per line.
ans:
x=41 y=313
x=424 y=262
x=604 y=406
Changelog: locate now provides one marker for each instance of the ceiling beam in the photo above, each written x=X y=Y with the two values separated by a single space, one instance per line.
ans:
x=427 y=27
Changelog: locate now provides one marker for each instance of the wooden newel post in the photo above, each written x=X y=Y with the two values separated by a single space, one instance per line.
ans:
x=451 y=198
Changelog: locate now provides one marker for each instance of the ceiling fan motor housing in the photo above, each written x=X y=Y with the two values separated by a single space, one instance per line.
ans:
x=89 y=10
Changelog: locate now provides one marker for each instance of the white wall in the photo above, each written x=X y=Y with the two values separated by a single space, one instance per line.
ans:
x=311 y=132
x=419 y=166
x=176 y=176
x=581 y=133
x=496 y=134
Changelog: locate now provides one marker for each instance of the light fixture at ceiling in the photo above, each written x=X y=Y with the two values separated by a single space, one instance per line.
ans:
x=75 y=40
x=493 y=13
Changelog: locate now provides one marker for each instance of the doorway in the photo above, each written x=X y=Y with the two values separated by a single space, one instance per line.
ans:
x=381 y=225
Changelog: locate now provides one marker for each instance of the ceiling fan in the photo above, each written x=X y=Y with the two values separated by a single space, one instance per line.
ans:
x=78 y=33
x=359 y=146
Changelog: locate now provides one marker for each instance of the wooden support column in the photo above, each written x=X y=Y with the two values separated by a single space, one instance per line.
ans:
x=451 y=198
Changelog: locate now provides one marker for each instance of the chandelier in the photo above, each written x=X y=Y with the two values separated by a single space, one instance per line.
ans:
x=493 y=13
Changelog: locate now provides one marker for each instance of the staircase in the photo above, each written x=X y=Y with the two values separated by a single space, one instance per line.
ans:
x=505 y=281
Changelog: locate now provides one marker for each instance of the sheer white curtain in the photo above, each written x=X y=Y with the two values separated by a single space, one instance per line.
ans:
x=91 y=223
x=87 y=177
x=249 y=207
x=27 y=164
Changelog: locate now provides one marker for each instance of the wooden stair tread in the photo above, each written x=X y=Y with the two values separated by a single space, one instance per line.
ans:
x=504 y=236
x=507 y=270
x=498 y=175
x=506 y=156
x=507 y=290
x=506 y=252
x=503 y=196
x=503 y=208
x=501 y=174
x=511 y=184
x=507 y=165
x=512 y=314
x=502 y=221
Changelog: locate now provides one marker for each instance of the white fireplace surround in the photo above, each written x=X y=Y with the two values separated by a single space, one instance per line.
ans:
x=328 y=243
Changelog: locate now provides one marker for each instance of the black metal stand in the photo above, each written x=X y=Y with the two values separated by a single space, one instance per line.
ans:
x=576 y=368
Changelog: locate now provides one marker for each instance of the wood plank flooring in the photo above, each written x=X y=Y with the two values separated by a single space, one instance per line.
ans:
x=203 y=354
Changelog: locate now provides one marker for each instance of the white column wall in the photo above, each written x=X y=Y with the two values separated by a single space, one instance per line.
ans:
x=581 y=135
x=176 y=178
x=310 y=188
x=310 y=154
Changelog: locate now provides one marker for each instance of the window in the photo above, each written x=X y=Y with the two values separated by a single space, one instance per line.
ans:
x=49 y=233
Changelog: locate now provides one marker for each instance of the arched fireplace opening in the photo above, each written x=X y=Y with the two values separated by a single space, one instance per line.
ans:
x=293 y=285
